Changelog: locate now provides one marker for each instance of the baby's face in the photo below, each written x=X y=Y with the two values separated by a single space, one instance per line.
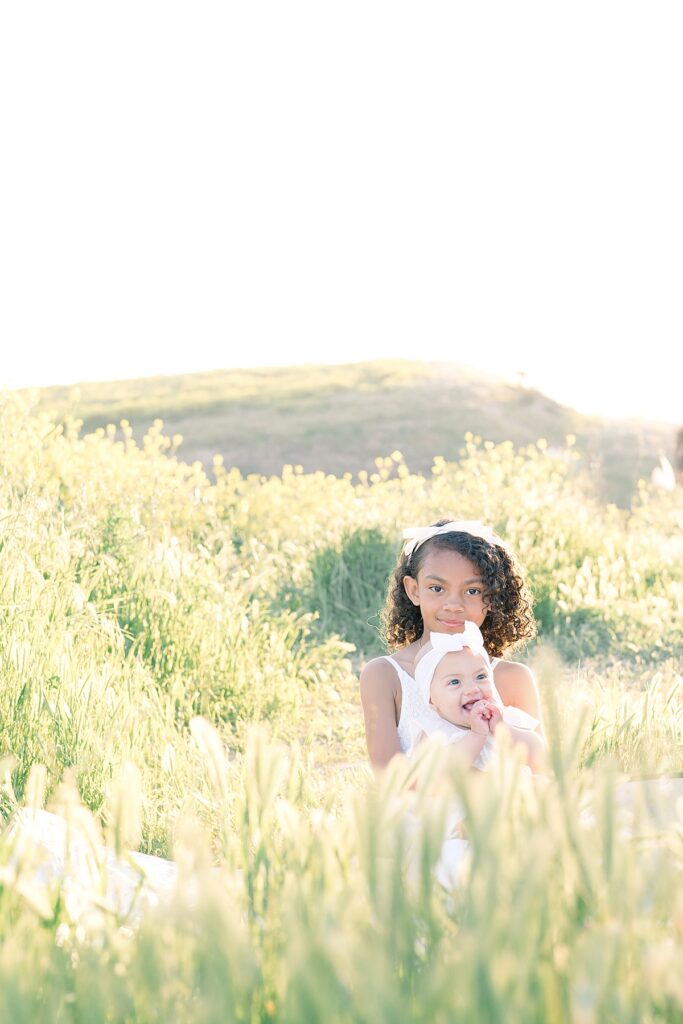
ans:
x=460 y=680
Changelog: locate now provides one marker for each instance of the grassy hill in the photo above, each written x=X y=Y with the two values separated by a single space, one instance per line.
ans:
x=340 y=418
x=177 y=676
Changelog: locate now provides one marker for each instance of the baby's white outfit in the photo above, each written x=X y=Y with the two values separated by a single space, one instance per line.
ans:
x=416 y=721
x=411 y=726
x=431 y=724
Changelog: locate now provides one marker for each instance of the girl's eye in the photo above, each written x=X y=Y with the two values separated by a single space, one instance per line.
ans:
x=436 y=588
x=454 y=682
x=472 y=591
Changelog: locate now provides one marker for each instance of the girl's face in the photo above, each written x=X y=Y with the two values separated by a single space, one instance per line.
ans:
x=460 y=680
x=449 y=590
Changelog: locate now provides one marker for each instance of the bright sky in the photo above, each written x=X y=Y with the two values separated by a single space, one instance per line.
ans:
x=196 y=185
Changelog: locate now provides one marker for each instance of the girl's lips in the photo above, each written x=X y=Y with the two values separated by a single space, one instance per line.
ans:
x=452 y=623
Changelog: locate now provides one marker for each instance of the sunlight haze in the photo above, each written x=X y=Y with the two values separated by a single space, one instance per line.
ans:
x=227 y=185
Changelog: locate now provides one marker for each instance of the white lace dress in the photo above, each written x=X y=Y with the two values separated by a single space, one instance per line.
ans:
x=411 y=725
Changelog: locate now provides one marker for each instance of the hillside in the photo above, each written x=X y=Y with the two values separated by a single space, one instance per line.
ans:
x=340 y=418
x=179 y=678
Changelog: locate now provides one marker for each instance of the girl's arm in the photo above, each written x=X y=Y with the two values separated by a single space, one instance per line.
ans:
x=516 y=685
x=528 y=738
x=535 y=748
x=378 y=682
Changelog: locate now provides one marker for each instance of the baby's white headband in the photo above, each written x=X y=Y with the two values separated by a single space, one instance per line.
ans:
x=442 y=644
x=415 y=536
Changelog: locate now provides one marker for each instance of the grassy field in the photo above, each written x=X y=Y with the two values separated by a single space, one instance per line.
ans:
x=179 y=657
x=340 y=418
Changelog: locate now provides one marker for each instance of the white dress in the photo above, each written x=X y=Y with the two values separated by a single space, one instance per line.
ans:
x=412 y=723
x=454 y=851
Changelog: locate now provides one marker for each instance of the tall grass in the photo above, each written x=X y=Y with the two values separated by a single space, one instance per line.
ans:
x=569 y=907
x=149 y=617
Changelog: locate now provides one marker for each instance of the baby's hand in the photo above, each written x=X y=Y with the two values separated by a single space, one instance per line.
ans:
x=495 y=716
x=479 y=718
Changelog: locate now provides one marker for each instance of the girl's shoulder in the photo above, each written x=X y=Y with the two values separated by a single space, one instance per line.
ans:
x=380 y=672
x=513 y=669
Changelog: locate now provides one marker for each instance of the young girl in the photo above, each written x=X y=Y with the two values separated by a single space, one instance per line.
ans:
x=460 y=702
x=447 y=574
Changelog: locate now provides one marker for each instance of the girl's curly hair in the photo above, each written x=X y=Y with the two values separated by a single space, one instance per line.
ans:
x=509 y=619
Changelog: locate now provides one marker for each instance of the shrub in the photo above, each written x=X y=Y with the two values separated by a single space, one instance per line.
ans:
x=348 y=586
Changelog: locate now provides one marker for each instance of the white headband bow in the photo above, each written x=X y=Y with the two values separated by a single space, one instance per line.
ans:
x=442 y=644
x=415 y=536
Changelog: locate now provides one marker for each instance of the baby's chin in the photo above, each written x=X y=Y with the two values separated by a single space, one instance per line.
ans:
x=463 y=719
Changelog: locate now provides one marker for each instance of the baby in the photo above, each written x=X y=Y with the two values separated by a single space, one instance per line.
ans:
x=461 y=703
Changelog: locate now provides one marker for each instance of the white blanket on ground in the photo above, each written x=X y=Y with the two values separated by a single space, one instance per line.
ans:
x=46 y=848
